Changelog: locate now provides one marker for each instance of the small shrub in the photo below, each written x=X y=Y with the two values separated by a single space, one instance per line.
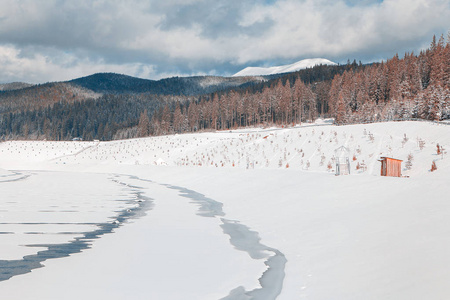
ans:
x=439 y=149
x=405 y=140
x=433 y=167
x=421 y=144
x=408 y=163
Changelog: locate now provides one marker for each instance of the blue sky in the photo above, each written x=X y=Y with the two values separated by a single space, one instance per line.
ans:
x=55 y=40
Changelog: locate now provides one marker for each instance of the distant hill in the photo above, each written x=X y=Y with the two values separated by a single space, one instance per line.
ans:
x=300 y=65
x=15 y=97
x=14 y=86
x=112 y=83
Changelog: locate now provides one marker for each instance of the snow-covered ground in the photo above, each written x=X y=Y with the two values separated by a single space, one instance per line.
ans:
x=302 y=64
x=224 y=207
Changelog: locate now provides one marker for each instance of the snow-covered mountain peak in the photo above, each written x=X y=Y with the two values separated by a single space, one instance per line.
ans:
x=302 y=64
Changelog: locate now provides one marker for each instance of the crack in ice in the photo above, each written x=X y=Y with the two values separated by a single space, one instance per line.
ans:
x=244 y=239
x=10 y=268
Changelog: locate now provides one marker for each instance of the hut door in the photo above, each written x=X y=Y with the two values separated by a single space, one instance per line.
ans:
x=383 y=167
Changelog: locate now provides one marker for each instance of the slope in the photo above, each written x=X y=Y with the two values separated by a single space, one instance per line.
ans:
x=30 y=98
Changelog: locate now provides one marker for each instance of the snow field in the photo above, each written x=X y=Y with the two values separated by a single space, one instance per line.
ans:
x=354 y=237
x=348 y=237
x=305 y=148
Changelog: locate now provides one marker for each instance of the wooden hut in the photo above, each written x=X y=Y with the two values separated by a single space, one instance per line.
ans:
x=391 y=167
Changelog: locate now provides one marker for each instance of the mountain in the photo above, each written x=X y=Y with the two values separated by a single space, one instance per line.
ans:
x=302 y=64
x=112 y=83
x=19 y=96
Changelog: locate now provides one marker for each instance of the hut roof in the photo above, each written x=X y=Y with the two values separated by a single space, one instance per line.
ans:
x=390 y=158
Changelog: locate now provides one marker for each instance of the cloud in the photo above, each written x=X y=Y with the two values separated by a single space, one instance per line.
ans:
x=336 y=30
x=216 y=19
x=60 y=39
x=41 y=68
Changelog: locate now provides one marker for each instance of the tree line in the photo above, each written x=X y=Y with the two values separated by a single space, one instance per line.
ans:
x=415 y=86
x=106 y=118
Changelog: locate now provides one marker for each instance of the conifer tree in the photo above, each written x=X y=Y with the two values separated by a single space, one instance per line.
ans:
x=144 y=124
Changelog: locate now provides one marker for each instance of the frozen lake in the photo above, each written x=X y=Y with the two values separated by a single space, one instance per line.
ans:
x=50 y=217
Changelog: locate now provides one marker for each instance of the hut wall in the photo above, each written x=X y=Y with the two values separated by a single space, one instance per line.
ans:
x=391 y=167
x=394 y=168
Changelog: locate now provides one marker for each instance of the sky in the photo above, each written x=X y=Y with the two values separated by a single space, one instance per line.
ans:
x=57 y=40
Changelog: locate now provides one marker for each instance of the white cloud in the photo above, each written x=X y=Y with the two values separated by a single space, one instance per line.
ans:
x=40 y=68
x=60 y=39
x=332 y=28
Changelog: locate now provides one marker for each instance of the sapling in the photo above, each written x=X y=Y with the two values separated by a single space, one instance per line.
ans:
x=438 y=149
x=329 y=166
x=405 y=140
x=408 y=163
x=433 y=166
